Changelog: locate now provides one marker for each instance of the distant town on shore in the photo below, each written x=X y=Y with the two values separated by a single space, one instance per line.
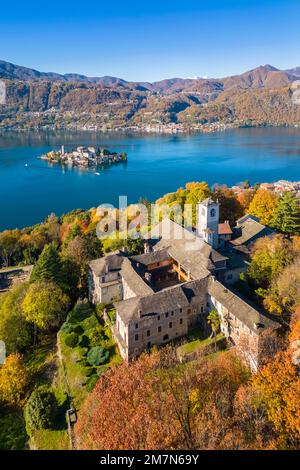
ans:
x=262 y=97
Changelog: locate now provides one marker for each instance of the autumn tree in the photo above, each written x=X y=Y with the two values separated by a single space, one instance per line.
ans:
x=154 y=403
x=268 y=258
x=196 y=192
x=268 y=405
x=193 y=193
x=14 y=381
x=45 y=305
x=53 y=228
x=8 y=245
x=31 y=245
x=263 y=206
x=295 y=326
x=230 y=207
x=284 y=294
x=277 y=387
x=15 y=331
x=245 y=198
x=82 y=249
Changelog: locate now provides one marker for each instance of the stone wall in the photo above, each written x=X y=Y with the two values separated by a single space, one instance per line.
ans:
x=156 y=330
x=145 y=332
x=111 y=292
x=105 y=289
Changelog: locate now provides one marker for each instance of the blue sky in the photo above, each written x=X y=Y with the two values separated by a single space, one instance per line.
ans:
x=147 y=41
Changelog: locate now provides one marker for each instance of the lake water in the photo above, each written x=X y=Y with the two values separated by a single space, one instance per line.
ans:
x=31 y=189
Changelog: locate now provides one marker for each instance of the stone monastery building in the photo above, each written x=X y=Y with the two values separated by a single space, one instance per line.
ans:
x=183 y=275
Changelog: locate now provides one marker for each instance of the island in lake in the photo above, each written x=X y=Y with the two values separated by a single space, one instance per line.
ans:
x=84 y=156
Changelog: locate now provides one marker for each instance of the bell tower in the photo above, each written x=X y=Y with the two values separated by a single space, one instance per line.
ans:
x=208 y=221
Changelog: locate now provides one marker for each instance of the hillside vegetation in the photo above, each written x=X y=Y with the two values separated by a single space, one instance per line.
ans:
x=260 y=97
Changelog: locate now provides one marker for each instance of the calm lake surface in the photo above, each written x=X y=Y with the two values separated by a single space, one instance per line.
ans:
x=31 y=189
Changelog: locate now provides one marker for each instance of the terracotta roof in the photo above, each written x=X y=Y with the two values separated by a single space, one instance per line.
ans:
x=224 y=229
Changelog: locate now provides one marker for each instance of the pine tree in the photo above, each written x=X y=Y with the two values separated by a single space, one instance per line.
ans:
x=49 y=266
x=287 y=215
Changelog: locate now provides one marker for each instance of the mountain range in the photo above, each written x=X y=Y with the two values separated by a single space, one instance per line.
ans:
x=262 y=96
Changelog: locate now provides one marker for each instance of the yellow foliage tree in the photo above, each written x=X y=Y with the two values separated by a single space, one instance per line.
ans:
x=278 y=390
x=263 y=206
x=14 y=381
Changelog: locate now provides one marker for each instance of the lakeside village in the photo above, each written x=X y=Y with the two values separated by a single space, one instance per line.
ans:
x=278 y=187
x=84 y=157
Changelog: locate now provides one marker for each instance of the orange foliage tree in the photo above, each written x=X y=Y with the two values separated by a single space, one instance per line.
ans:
x=245 y=198
x=277 y=390
x=155 y=403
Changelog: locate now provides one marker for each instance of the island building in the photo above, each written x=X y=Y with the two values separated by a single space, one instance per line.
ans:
x=183 y=275
x=84 y=156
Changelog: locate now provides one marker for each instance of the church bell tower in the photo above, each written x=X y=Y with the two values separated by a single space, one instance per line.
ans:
x=208 y=221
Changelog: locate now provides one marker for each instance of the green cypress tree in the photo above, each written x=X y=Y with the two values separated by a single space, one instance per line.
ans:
x=40 y=410
x=48 y=266
x=287 y=215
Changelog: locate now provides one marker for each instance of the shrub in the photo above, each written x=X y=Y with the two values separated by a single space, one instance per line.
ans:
x=90 y=323
x=96 y=335
x=81 y=351
x=66 y=328
x=99 y=309
x=84 y=341
x=102 y=369
x=97 y=356
x=112 y=315
x=91 y=382
x=40 y=410
x=89 y=371
x=80 y=313
x=71 y=340
x=78 y=329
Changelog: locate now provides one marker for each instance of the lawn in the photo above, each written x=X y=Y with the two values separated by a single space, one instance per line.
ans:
x=41 y=360
x=196 y=342
x=43 y=363
x=50 y=439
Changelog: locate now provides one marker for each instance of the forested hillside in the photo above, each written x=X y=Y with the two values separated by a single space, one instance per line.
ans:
x=260 y=97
